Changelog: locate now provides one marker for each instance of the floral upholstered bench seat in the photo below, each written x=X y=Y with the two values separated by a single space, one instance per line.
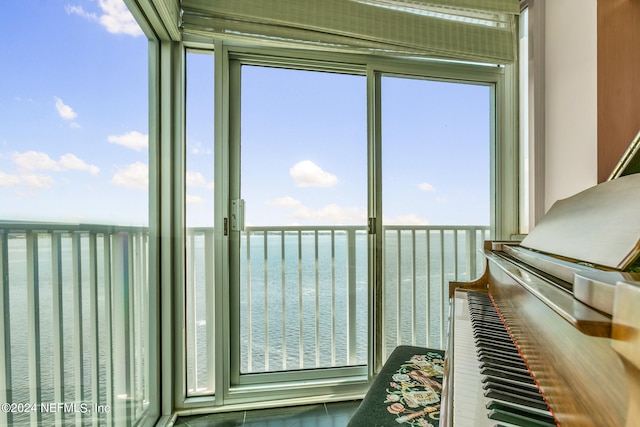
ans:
x=406 y=392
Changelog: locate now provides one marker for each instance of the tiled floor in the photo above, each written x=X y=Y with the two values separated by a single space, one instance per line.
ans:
x=335 y=414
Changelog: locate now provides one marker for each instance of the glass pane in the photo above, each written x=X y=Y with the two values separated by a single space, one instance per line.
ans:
x=199 y=212
x=74 y=214
x=303 y=262
x=436 y=200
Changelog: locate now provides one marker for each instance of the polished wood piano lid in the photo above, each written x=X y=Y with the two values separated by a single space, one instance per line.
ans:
x=599 y=226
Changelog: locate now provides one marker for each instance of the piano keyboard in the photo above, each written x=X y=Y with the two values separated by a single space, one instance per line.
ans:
x=491 y=384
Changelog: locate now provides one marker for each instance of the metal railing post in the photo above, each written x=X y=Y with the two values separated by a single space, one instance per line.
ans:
x=351 y=298
x=6 y=417
x=33 y=307
x=57 y=338
x=78 y=342
x=121 y=323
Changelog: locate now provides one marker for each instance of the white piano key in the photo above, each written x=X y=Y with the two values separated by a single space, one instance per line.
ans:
x=468 y=396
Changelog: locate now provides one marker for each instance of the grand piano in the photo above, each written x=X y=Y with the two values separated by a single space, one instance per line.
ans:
x=550 y=334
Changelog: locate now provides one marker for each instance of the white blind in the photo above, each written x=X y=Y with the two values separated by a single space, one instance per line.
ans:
x=467 y=30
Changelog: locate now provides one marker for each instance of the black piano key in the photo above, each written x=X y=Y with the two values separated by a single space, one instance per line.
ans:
x=514 y=398
x=502 y=336
x=523 y=385
x=511 y=415
x=490 y=372
x=498 y=343
x=485 y=315
x=498 y=361
x=498 y=353
x=540 y=414
x=498 y=348
x=505 y=368
x=487 y=325
x=514 y=389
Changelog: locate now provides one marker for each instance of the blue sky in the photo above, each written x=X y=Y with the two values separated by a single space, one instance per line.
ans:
x=74 y=145
x=73 y=102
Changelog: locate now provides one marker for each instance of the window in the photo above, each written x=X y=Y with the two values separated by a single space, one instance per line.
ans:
x=74 y=215
x=199 y=197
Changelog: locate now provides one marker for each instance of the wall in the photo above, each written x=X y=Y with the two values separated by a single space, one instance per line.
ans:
x=618 y=80
x=570 y=98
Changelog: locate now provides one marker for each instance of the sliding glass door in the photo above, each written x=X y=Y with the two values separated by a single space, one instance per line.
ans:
x=298 y=223
x=436 y=204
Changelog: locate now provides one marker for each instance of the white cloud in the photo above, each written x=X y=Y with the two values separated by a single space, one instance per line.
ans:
x=134 y=140
x=36 y=160
x=285 y=202
x=7 y=180
x=408 y=219
x=79 y=10
x=69 y=161
x=194 y=200
x=65 y=111
x=332 y=214
x=308 y=174
x=199 y=148
x=196 y=179
x=37 y=181
x=329 y=214
x=115 y=17
x=425 y=186
x=135 y=176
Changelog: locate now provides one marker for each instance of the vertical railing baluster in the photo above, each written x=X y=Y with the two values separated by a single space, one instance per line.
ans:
x=137 y=309
x=352 y=303
x=192 y=335
x=249 y=325
x=428 y=278
x=6 y=390
x=470 y=244
x=33 y=306
x=317 y=295
x=333 y=298
x=399 y=288
x=443 y=297
x=57 y=338
x=131 y=298
x=265 y=261
x=209 y=272
x=284 y=300
x=108 y=328
x=121 y=331
x=300 y=317
x=144 y=319
x=78 y=346
x=455 y=254
x=93 y=310
x=414 y=311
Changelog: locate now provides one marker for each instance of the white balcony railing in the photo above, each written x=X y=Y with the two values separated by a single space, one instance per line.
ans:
x=72 y=312
x=303 y=294
x=75 y=298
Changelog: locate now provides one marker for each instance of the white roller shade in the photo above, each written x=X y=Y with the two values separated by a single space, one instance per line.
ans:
x=465 y=30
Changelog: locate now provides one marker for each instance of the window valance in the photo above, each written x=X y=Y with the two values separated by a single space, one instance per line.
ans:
x=463 y=30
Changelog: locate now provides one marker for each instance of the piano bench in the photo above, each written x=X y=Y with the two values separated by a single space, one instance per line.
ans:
x=406 y=392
